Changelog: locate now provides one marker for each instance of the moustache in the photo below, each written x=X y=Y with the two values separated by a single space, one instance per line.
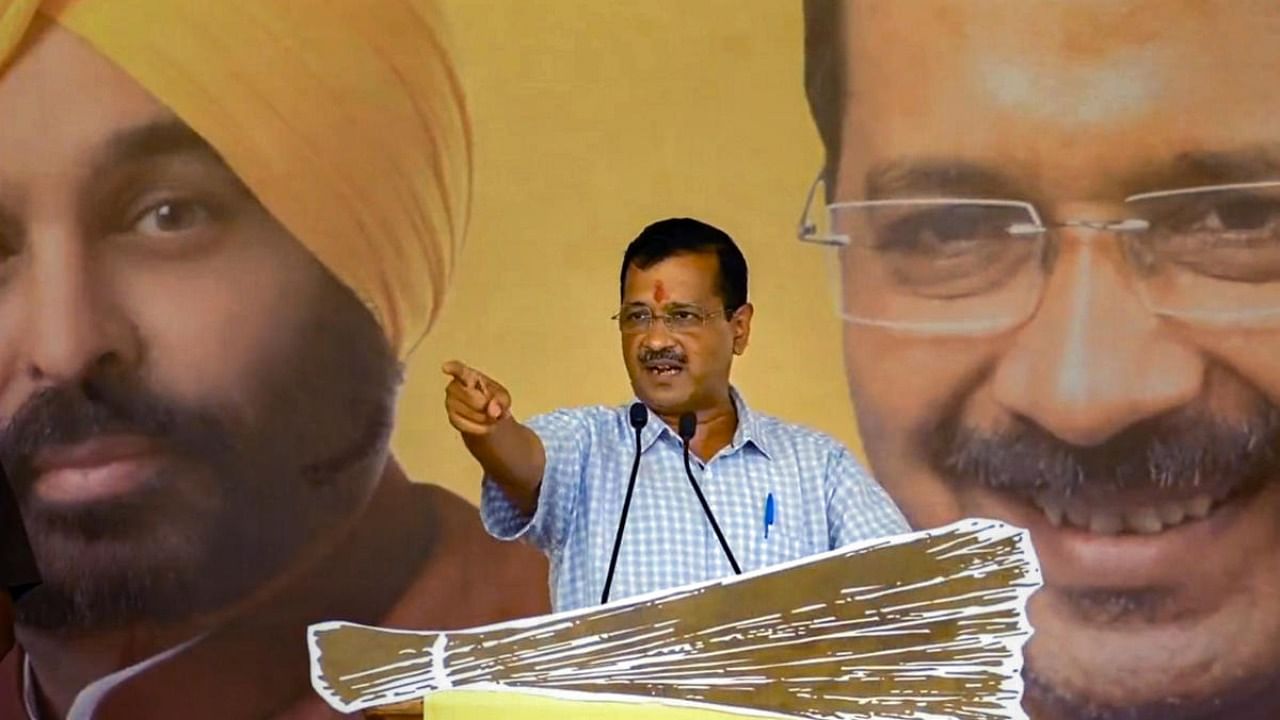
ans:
x=1180 y=450
x=666 y=354
x=70 y=414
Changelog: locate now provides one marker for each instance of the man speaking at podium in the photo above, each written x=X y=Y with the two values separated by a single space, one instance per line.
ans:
x=615 y=496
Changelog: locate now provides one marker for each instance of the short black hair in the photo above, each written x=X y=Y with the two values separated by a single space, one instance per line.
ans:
x=824 y=76
x=675 y=236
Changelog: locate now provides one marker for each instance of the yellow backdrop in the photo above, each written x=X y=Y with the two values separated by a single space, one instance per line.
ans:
x=591 y=120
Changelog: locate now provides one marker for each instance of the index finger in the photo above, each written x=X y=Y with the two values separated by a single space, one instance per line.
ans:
x=456 y=369
x=468 y=377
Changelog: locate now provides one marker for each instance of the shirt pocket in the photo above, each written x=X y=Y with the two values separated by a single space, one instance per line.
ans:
x=789 y=539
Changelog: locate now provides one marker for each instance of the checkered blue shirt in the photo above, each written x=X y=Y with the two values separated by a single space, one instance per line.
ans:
x=822 y=498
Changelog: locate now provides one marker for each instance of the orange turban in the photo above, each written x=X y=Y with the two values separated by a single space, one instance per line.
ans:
x=346 y=119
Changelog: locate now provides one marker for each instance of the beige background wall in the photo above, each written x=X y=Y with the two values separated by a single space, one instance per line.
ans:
x=591 y=119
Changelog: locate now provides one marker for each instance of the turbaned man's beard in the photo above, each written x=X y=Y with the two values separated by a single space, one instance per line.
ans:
x=231 y=506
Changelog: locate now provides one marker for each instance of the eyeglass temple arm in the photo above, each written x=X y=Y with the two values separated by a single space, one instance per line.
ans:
x=807 y=231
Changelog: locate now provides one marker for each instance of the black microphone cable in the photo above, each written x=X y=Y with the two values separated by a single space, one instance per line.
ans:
x=639 y=417
x=688 y=427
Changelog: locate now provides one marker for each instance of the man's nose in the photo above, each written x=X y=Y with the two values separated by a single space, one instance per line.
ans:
x=73 y=323
x=658 y=335
x=1094 y=360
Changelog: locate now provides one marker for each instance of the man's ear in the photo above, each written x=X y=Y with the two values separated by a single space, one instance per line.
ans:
x=740 y=323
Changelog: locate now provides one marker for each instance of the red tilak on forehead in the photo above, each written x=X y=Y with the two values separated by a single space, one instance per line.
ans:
x=659 y=292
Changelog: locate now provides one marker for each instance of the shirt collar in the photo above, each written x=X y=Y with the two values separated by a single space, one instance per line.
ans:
x=750 y=429
x=29 y=701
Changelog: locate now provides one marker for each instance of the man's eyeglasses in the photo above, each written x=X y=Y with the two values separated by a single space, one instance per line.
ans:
x=1206 y=254
x=678 y=320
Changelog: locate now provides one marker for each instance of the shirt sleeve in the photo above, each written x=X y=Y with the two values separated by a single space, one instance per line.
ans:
x=566 y=440
x=858 y=508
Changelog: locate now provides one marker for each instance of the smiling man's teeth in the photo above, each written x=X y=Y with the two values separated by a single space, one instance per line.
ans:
x=1146 y=520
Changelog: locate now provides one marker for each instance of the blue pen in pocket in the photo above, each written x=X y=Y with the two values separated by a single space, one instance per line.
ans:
x=768 y=514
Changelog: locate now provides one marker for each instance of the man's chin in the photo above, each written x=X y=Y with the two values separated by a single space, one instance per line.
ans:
x=663 y=398
x=112 y=583
x=1254 y=698
x=1173 y=625
x=1080 y=667
x=164 y=553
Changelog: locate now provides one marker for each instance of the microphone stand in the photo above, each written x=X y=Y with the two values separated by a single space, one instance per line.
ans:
x=688 y=426
x=639 y=416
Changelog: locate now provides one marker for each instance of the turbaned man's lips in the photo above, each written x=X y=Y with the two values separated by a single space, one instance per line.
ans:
x=99 y=468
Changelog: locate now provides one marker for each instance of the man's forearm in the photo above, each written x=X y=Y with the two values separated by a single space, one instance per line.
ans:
x=514 y=457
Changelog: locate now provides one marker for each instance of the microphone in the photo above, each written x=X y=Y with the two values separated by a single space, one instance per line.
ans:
x=688 y=427
x=639 y=417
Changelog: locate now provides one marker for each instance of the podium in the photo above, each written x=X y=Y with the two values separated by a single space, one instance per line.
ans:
x=396 y=711
x=457 y=705
x=929 y=623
